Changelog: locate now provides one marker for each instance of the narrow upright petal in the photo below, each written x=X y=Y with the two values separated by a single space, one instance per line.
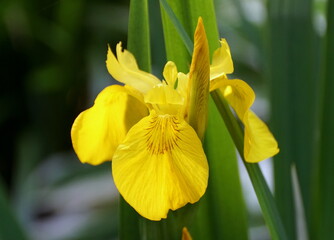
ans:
x=259 y=143
x=97 y=131
x=170 y=73
x=125 y=70
x=222 y=61
x=160 y=165
x=198 y=85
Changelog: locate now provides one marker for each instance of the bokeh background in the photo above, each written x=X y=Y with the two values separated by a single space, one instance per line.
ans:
x=52 y=56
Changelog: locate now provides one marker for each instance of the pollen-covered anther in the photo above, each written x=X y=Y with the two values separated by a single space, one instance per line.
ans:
x=162 y=134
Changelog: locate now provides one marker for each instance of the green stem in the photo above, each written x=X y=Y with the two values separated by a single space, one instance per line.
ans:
x=265 y=197
x=128 y=221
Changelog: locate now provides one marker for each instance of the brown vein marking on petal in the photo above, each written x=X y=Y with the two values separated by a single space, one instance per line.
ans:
x=162 y=135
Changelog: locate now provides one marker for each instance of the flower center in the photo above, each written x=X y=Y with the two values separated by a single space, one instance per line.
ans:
x=162 y=134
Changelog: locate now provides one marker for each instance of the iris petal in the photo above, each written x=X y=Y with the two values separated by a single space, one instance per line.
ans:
x=160 y=165
x=259 y=143
x=97 y=131
x=125 y=70
x=221 y=61
x=198 y=84
x=238 y=93
x=170 y=73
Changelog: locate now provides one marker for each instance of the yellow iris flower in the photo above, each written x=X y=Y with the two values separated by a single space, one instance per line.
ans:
x=149 y=131
x=259 y=143
x=152 y=129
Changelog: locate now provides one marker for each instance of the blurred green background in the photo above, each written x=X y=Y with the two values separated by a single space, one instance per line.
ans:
x=53 y=65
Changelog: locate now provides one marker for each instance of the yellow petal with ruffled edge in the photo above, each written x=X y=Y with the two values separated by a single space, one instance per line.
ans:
x=221 y=61
x=125 y=70
x=259 y=143
x=97 y=131
x=160 y=165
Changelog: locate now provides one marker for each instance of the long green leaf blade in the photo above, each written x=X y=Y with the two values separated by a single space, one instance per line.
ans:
x=139 y=33
x=293 y=67
x=184 y=36
x=281 y=117
x=174 y=43
x=227 y=217
x=325 y=205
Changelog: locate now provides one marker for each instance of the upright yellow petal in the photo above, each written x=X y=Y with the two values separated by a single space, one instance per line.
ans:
x=97 y=131
x=160 y=165
x=170 y=73
x=198 y=85
x=221 y=61
x=260 y=144
x=125 y=70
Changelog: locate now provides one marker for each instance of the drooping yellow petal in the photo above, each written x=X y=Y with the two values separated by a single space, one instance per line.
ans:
x=170 y=73
x=260 y=144
x=164 y=99
x=238 y=94
x=218 y=82
x=221 y=61
x=125 y=70
x=97 y=131
x=198 y=84
x=160 y=165
x=185 y=234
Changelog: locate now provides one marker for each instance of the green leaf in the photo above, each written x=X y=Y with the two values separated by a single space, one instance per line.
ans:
x=139 y=33
x=180 y=20
x=293 y=67
x=324 y=205
x=176 y=23
x=9 y=226
x=174 y=44
x=129 y=221
x=227 y=218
